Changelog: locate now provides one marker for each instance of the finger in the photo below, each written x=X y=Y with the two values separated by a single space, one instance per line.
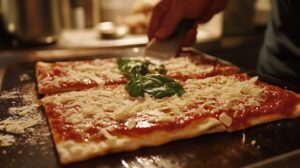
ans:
x=205 y=18
x=217 y=6
x=170 y=21
x=197 y=9
x=190 y=37
x=159 y=11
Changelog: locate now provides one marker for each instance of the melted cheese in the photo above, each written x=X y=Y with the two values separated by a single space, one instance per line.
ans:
x=97 y=71
x=100 y=70
x=109 y=105
x=185 y=66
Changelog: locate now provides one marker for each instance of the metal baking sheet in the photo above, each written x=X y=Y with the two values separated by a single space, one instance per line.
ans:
x=215 y=150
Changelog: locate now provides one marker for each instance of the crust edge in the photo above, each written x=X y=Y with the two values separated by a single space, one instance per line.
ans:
x=71 y=151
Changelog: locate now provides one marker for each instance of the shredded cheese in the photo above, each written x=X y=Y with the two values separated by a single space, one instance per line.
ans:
x=97 y=71
x=225 y=119
x=107 y=106
x=107 y=134
x=130 y=123
x=185 y=66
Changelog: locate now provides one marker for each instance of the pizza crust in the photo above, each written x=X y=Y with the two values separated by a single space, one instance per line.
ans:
x=269 y=118
x=274 y=117
x=71 y=151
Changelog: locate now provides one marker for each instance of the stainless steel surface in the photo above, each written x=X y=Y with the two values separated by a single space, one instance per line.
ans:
x=57 y=54
x=111 y=30
x=32 y=21
x=167 y=48
x=162 y=49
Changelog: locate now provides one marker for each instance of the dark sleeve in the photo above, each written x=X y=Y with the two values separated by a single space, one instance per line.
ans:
x=280 y=54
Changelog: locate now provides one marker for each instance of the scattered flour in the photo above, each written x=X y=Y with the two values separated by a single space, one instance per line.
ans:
x=23 y=120
x=9 y=95
x=7 y=140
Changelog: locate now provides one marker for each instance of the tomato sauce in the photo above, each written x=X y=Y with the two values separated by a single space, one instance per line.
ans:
x=219 y=68
x=276 y=101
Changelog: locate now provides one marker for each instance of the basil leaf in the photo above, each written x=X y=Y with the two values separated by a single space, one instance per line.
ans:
x=135 y=87
x=156 y=85
x=121 y=62
x=146 y=77
x=137 y=67
x=164 y=86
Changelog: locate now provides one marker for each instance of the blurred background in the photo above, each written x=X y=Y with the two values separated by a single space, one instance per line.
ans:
x=30 y=26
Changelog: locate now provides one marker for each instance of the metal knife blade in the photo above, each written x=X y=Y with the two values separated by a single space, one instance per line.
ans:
x=167 y=48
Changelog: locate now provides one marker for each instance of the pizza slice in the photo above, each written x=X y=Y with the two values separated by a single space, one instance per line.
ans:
x=194 y=65
x=107 y=119
x=78 y=75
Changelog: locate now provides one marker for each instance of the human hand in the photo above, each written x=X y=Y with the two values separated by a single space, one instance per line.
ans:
x=167 y=14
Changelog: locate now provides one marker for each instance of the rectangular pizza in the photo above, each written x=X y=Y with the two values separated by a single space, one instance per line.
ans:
x=78 y=75
x=158 y=104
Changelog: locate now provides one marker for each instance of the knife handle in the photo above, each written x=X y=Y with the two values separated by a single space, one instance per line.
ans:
x=181 y=29
x=169 y=47
x=176 y=37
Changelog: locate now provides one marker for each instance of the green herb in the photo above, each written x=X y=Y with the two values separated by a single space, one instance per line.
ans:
x=146 y=77
x=156 y=85
x=137 y=67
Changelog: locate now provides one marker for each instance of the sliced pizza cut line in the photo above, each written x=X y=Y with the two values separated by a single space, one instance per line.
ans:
x=98 y=115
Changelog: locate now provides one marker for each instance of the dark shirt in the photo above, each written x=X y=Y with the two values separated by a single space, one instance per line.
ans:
x=280 y=54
